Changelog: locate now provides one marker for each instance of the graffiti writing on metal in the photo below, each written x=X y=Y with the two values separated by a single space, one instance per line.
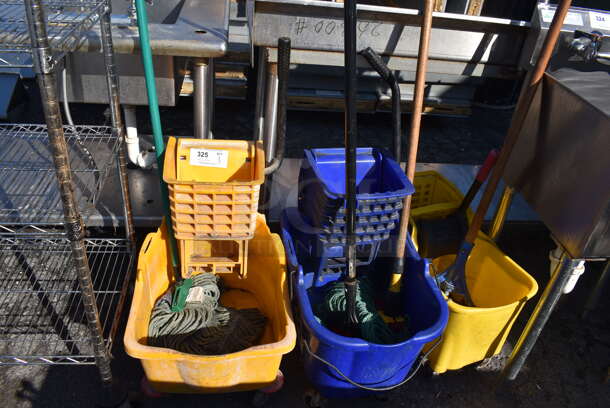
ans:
x=304 y=26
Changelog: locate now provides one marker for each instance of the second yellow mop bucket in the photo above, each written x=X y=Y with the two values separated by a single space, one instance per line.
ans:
x=264 y=288
x=498 y=286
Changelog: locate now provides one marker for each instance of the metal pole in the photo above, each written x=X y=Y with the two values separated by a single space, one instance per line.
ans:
x=203 y=97
x=499 y=219
x=115 y=394
x=117 y=124
x=261 y=65
x=351 y=143
x=270 y=122
x=75 y=230
x=539 y=317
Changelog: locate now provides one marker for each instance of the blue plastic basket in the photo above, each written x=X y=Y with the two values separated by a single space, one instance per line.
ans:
x=328 y=357
x=381 y=187
x=320 y=252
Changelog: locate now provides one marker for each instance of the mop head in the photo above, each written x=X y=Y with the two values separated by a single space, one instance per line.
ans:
x=332 y=313
x=204 y=327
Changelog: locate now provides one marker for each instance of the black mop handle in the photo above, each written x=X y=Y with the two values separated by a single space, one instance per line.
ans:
x=351 y=141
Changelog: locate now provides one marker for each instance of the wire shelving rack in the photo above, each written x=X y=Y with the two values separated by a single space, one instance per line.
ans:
x=42 y=316
x=28 y=186
x=66 y=23
x=61 y=291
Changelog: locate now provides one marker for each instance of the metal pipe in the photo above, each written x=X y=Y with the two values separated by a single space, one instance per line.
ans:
x=418 y=105
x=203 y=97
x=523 y=105
x=539 y=317
x=388 y=76
x=261 y=66
x=73 y=222
x=270 y=121
x=283 y=67
x=499 y=219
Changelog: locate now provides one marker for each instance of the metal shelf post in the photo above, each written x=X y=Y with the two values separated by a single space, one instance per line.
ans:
x=117 y=122
x=73 y=222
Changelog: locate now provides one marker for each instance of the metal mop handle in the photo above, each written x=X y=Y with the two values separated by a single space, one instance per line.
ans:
x=351 y=140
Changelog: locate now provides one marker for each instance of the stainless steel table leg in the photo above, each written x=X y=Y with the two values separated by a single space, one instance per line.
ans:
x=261 y=65
x=203 y=97
x=270 y=124
x=539 y=317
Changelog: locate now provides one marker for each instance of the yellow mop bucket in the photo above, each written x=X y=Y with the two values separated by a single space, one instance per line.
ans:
x=498 y=286
x=264 y=288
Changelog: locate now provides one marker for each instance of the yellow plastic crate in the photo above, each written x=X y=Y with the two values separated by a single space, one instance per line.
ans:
x=214 y=256
x=499 y=288
x=213 y=187
x=264 y=288
x=435 y=196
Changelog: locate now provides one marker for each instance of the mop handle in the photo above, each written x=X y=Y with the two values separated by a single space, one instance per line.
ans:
x=351 y=129
x=516 y=125
x=351 y=142
x=155 y=119
x=418 y=105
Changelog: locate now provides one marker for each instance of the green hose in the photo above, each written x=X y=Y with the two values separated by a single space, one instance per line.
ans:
x=155 y=121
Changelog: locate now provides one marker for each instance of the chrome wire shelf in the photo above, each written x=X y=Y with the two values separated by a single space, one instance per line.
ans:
x=29 y=192
x=67 y=21
x=42 y=317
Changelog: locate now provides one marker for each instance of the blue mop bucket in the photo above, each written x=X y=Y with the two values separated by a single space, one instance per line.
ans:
x=345 y=367
x=380 y=183
x=322 y=254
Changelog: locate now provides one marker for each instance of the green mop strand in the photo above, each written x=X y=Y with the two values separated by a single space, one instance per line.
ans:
x=332 y=309
x=204 y=327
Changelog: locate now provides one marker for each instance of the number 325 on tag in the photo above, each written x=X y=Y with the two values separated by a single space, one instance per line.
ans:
x=209 y=158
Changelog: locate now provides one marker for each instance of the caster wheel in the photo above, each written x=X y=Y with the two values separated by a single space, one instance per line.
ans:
x=147 y=389
x=313 y=399
x=260 y=399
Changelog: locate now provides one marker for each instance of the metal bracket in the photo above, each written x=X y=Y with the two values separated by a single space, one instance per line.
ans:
x=75 y=230
x=43 y=60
